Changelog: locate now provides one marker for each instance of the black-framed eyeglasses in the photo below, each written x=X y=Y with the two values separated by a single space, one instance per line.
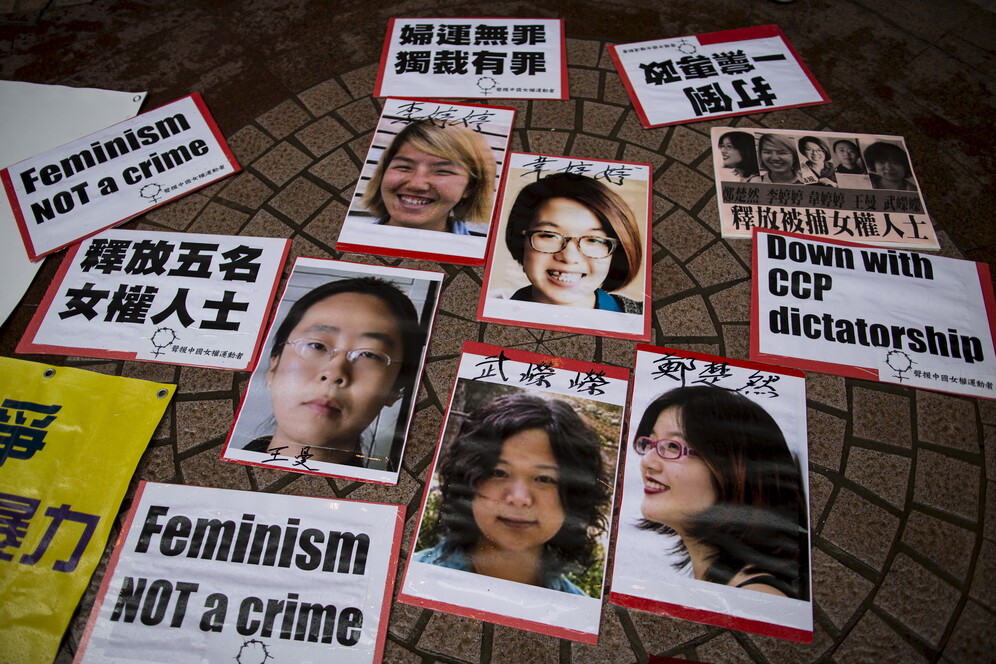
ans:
x=667 y=449
x=551 y=242
x=315 y=351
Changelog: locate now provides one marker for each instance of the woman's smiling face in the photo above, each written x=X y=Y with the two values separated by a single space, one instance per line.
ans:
x=730 y=155
x=674 y=490
x=419 y=189
x=518 y=508
x=776 y=159
x=567 y=277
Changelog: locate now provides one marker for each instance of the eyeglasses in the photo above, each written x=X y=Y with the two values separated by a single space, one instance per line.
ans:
x=550 y=242
x=315 y=351
x=667 y=449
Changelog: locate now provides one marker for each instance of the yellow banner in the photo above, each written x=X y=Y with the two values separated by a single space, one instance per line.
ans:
x=69 y=443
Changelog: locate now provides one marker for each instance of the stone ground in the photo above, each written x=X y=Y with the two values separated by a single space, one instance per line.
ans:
x=902 y=491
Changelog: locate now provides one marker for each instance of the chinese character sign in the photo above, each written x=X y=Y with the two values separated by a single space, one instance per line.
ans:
x=69 y=444
x=857 y=187
x=236 y=576
x=515 y=519
x=180 y=298
x=427 y=187
x=474 y=58
x=334 y=390
x=713 y=523
x=572 y=247
x=106 y=178
x=715 y=75
x=877 y=314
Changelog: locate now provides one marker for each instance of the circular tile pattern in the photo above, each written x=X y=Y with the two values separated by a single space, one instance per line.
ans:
x=901 y=510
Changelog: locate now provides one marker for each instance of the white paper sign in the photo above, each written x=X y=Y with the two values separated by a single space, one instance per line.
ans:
x=181 y=298
x=878 y=314
x=35 y=118
x=715 y=75
x=212 y=575
x=473 y=58
x=534 y=439
x=856 y=187
x=108 y=177
x=740 y=460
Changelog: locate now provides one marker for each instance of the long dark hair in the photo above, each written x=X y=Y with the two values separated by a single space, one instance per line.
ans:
x=758 y=522
x=744 y=144
x=473 y=455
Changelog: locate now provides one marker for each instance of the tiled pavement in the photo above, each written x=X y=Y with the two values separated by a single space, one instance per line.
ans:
x=903 y=502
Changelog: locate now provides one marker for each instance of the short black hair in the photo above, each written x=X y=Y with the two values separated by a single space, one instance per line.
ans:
x=473 y=454
x=412 y=333
x=881 y=151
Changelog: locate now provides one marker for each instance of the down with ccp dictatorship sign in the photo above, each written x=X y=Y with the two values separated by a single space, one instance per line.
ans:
x=878 y=314
x=69 y=443
x=213 y=575
x=106 y=178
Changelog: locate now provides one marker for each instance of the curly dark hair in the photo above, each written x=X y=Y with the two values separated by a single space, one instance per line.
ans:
x=473 y=455
x=759 y=521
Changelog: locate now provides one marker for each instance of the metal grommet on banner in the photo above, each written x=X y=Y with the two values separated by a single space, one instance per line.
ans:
x=162 y=393
x=48 y=373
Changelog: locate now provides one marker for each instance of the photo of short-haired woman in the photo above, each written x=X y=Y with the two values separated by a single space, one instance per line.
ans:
x=427 y=187
x=523 y=495
x=574 y=250
x=334 y=393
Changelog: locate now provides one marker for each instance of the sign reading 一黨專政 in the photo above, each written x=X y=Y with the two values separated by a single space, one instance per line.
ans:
x=474 y=58
x=108 y=177
x=246 y=577
x=714 y=75
x=877 y=314
x=181 y=298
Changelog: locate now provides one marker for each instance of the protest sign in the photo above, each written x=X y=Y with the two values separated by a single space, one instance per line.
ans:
x=572 y=247
x=181 y=298
x=474 y=58
x=35 y=118
x=713 y=523
x=69 y=444
x=108 y=177
x=715 y=75
x=334 y=392
x=246 y=577
x=427 y=187
x=877 y=314
x=857 y=187
x=514 y=522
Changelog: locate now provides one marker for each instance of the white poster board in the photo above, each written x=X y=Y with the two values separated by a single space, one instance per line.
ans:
x=877 y=314
x=473 y=58
x=181 y=298
x=210 y=575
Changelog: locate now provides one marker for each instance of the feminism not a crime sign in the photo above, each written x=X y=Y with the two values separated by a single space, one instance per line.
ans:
x=246 y=577
x=878 y=314
x=106 y=178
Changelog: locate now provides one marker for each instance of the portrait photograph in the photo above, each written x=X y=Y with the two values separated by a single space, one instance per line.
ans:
x=571 y=247
x=427 y=187
x=713 y=524
x=334 y=389
x=520 y=498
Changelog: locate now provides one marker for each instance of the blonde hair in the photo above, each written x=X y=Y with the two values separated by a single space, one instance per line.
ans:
x=454 y=143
